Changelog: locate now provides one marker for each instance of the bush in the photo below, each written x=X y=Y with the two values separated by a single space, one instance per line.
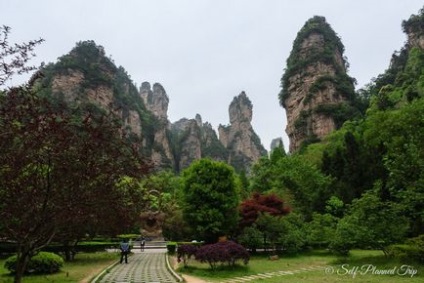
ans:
x=293 y=234
x=185 y=252
x=413 y=249
x=252 y=238
x=42 y=263
x=171 y=247
x=128 y=236
x=222 y=252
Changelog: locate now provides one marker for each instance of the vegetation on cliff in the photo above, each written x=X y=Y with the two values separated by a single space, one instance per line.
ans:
x=316 y=74
x=371 y=167
x=297 y=63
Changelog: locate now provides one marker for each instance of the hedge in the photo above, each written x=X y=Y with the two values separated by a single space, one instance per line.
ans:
x=42 y=263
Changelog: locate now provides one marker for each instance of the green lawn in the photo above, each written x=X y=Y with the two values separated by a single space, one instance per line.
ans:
x=331 y=269
x=82 y=269
x=360 y=266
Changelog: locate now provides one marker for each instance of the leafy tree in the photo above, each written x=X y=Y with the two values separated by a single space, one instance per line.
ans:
x=163 y=192
x=262 y=175
x=14 y=57
x=263 y=172
x=353 y=164
x=370 y=223
x=321 y=230
x=59 y=170
x=250 y=209
x=293 y=236
x=210 y=199
x=400 y=133
x=169 y=188
x=308 y=186
x=271 y=227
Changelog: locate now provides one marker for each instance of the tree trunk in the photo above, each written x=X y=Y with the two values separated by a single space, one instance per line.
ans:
x=68 y=251
x=21 y=263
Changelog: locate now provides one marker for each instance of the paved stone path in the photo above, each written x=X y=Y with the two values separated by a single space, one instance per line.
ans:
x=260 y=276
x=149 y=266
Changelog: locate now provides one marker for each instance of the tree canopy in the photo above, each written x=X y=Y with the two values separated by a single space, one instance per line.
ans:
x=210 y=199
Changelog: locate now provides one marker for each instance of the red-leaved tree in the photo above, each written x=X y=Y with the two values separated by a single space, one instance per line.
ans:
x=59 y=170
x=251 y=208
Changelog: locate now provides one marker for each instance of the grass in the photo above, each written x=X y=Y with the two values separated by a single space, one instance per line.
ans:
x=82 y=269
x=360 y=266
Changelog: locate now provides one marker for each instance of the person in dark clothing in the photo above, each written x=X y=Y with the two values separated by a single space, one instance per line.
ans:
x=142 y=243
x=125 y=250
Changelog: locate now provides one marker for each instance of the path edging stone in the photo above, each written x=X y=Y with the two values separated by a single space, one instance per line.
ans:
x=100 y=275
x=173 y=272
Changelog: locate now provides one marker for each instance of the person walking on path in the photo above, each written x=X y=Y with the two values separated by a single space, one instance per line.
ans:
x=151 y=265
x=142 y=243
x=125 y=250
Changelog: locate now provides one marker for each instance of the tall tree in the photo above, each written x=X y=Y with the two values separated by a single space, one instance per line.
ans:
x=370 y=223
x=58 y=169
x=210 y=199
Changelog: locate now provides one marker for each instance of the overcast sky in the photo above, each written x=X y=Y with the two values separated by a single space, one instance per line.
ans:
x=205 y=52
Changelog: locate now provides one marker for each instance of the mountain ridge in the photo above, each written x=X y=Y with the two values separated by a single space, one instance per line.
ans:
x=86 y=75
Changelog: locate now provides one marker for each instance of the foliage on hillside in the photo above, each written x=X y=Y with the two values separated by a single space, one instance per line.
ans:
x=318 y=47
x=363 y=185
x=332 y=44
x=97 y=69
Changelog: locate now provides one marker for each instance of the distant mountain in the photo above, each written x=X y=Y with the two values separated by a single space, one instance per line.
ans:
x=86 y=76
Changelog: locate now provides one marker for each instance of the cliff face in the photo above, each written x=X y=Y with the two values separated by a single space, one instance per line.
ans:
x=316 y=89
x=414 y=29
x=75 y=80
x=86 y=76
x=156 y=101
x=192 y=140
x=243 y=144
x=237 y=145
x=187 y=146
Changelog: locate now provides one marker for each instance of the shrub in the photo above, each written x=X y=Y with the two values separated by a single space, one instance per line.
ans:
x=171 y=247
x=222 y=252
x=42 y=263
x=128 y=236
x=413 y=249
x=87 y=247
x=185 y=252
x=252 y=238
x=293 y=235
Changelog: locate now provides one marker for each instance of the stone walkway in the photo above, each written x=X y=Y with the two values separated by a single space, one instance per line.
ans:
x=262 y=276
x=152 y=266
x=149 y=266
